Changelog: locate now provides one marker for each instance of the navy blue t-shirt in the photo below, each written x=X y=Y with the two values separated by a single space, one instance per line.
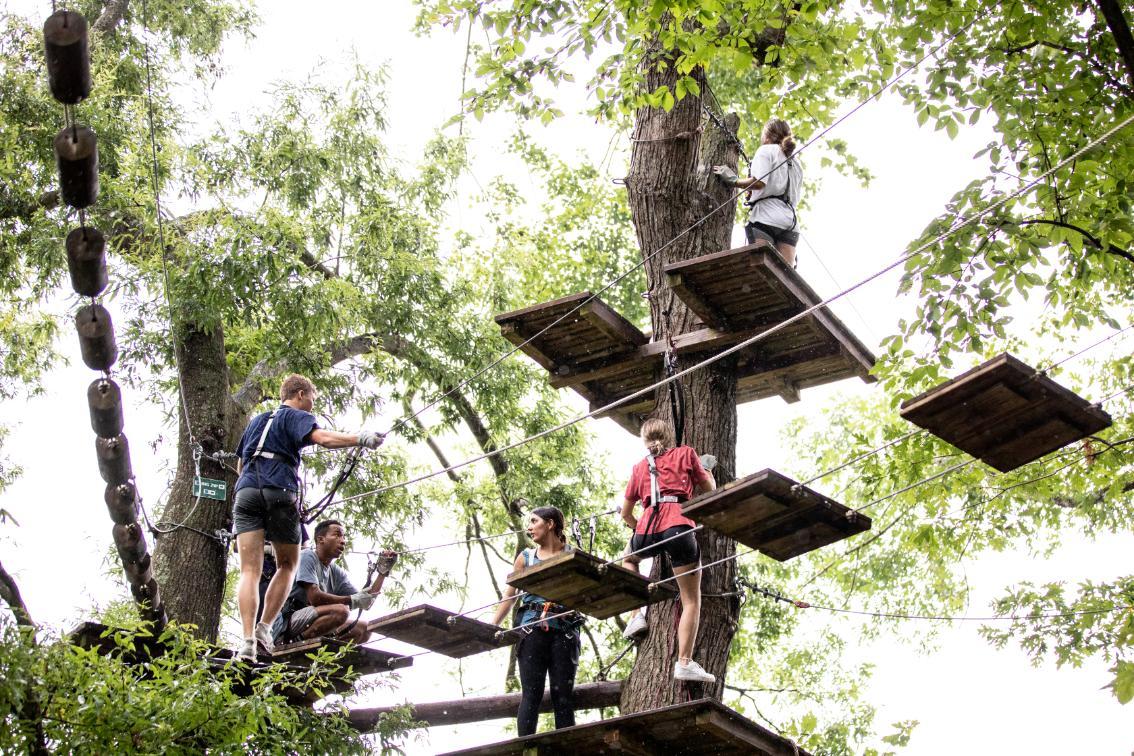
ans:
x=290 y=432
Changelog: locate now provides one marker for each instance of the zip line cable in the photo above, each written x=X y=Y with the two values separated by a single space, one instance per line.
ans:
x=768 y=332
x=731 y=201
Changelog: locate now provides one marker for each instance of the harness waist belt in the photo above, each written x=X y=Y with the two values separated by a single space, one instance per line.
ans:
x=669 y=500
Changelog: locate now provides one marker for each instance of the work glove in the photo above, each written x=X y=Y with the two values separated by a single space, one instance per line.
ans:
x=725 y=174
x=370 y=439
x=386 y=560
x=362 y=600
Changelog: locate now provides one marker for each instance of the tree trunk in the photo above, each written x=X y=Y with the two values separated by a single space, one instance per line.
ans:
x=670 y=188
x=190 y=566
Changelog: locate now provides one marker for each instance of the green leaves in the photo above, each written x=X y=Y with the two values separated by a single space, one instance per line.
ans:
x=1123 y=682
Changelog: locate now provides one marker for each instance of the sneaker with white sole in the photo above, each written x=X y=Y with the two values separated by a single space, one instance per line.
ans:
x=692 y=672
x=247 y=650
x=635 y=628
x=264 y=644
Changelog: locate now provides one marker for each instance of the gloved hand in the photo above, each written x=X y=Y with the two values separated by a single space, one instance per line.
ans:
x=386 y=561
x=725 y=174
x=370 y=439
x=362 y=600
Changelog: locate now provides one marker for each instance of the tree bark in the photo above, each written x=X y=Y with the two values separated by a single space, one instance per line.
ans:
x=191 y=566
x=597 y=695
x=671 y=188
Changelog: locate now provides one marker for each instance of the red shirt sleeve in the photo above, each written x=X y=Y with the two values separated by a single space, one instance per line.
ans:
x=697 y=472
x=634 y=487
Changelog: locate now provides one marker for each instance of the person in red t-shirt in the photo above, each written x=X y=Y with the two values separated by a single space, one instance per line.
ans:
x=668 y=476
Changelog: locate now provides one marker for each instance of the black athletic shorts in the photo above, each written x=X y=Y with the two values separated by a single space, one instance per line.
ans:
x=272 y=510
x=682 y=551
x=756 y=231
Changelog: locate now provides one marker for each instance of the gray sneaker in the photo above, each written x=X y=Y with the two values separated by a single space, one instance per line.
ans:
x=636 y=627
x=264 y=644
x=247 y=650
x=692 y=672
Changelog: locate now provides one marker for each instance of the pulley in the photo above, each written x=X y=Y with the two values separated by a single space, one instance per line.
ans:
x=96 y=337
x=68 y=57
x=122 y=503
x=76 y=155
x=114 y=459
x=86 y=260
x=105 y=401
x=131 y=542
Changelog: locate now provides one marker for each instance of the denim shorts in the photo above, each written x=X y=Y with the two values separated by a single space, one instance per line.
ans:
x=273 y=510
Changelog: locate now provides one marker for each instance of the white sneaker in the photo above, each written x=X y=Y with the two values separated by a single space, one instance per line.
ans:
x=247 y=650
x=264 y=644
x=692 y=672
x=636 y=627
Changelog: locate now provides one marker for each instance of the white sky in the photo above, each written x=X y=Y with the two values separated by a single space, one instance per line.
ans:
x=967 y=696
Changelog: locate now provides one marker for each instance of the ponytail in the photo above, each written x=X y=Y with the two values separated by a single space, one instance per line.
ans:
x=777 y=131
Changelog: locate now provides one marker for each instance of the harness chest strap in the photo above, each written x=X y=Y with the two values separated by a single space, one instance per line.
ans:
x=259 y=451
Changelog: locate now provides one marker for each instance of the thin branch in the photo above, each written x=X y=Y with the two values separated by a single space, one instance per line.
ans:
x=1087 y=235
x=10 y=592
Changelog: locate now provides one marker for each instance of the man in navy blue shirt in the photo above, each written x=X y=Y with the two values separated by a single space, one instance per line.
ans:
x=266 y=505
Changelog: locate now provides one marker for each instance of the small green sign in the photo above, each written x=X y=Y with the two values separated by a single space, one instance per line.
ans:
x=209 y=489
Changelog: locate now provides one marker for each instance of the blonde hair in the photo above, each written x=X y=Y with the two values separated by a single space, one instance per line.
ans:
x=656 y=429
x=777 y=131
x=293 y=384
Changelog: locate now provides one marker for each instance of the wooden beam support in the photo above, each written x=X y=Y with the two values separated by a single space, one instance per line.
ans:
x=611 y=323
x=693 y=299
x=599 y=695
x=516 y=336
x=633 y=742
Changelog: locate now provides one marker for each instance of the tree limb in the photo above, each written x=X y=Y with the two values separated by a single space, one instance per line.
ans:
x=112 y=14
x=1091 y=238
x=10 y=592
x=1120 y=29
x=15 y=209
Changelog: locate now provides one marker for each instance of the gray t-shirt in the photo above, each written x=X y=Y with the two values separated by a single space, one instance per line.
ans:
x=330 y=579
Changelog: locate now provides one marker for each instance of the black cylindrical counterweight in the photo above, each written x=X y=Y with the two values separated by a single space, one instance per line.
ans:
x=131 y=542
x=68 y=56
x=105 y=401
x=114 y=459
x=86 y=259
x=147 y=593
x=122 y=503
x=140 y=572
x=76 y=155
x=96 y=337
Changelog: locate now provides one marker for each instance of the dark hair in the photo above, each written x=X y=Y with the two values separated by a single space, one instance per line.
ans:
x=322 y=528
x=777 y=131
x=555 y=517
x=293 y=384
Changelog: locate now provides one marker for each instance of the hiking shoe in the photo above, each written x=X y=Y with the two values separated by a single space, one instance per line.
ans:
x=636 y=627
x=247 y=650
x=692 y=672
x=264 y=644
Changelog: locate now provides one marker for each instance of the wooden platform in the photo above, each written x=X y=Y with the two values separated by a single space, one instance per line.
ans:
x=442 y=631
x=698 y=728
x=1005 y=413
x=579 y=581
x=765 y=511
x=362 y=659
x=736 y=294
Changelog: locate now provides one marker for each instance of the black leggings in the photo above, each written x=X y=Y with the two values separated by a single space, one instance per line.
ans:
x=543 y=654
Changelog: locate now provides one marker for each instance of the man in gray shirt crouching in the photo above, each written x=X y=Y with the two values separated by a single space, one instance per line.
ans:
x=323 y=597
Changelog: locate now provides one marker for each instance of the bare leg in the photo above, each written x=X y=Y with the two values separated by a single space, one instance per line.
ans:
x=633 y=563
x=787 y=251
x=287 y=557
x=689 y=585
x=251 y=548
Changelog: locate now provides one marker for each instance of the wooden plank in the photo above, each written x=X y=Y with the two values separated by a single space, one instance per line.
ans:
x=770 y=512
x=580 y=581
x=362 y=659
x=1005 y=413
x=602 y=317
x=692 y=298
x=517 y=338
x=439 y=630
x=699 y=728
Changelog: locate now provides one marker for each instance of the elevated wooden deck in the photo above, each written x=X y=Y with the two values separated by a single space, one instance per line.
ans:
x=770 y=512
x=582 y=582
x=699 y=728
x=1005 y=413
x=442 y=631
x=737 y=294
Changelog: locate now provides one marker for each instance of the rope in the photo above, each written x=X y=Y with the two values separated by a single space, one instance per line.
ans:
x=766 y=333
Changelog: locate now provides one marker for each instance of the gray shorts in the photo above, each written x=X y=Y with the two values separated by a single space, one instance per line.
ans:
x=754 y=232
x=301 y=619
x=272 y=510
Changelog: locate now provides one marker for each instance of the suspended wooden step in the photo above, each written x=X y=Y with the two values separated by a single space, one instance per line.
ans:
x=698 y=728
x=362 y=659
x=1005 y=413
x=595 y=351
x=586 y=584
x=747 y=290
x=442 y=631
x=770 y=512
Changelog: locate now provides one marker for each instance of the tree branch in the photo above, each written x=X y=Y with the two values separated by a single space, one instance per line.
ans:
x=10 y=592
x=15 y=209
x=1120 y=29
x=1091 y=238
x=112 y=15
